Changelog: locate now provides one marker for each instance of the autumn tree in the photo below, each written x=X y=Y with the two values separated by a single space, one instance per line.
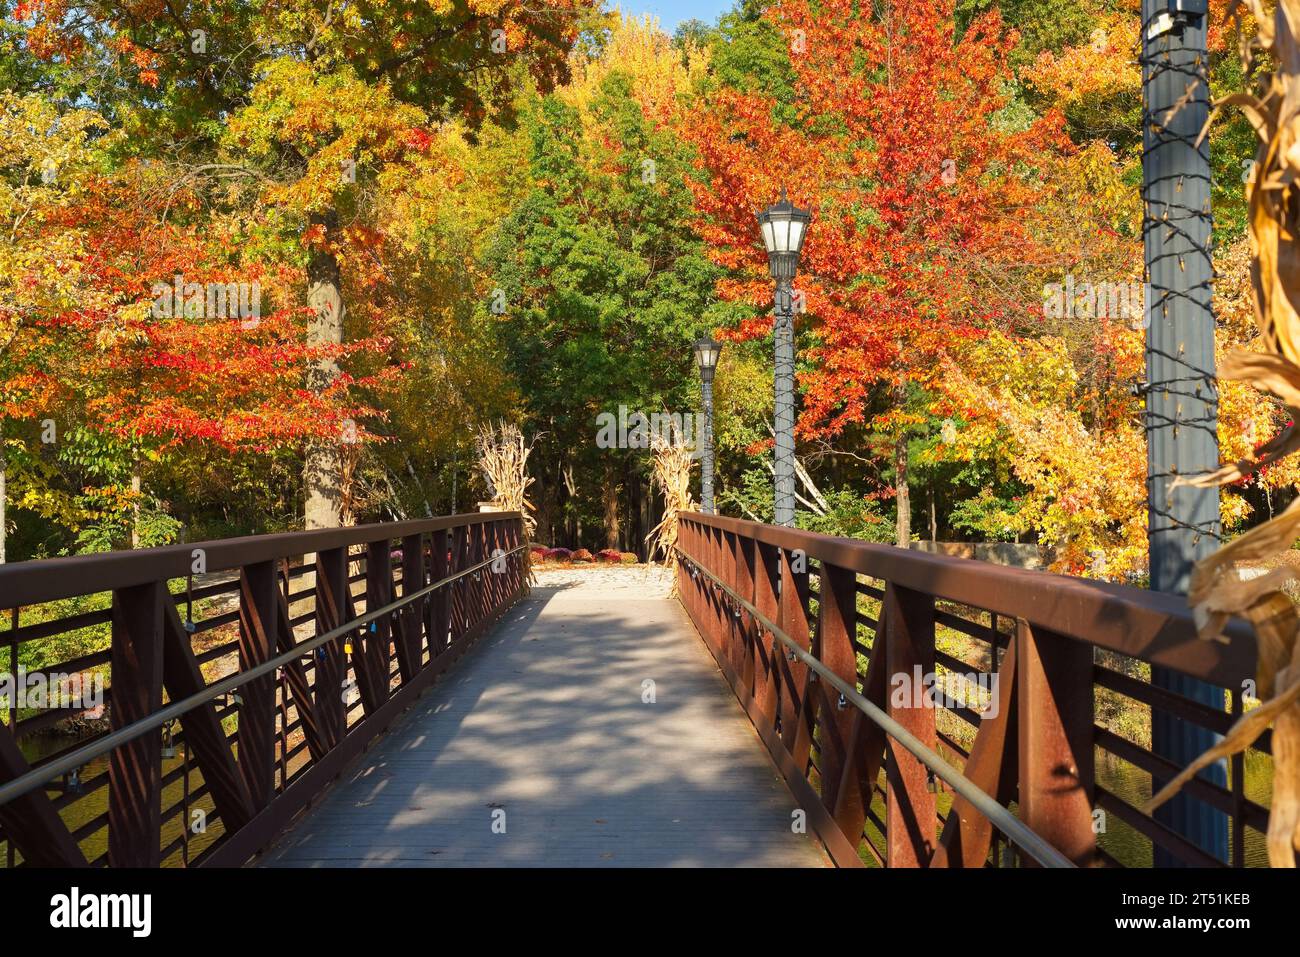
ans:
x=44 y=153
x=602 y=283
x=907 y=144
x=292 y=109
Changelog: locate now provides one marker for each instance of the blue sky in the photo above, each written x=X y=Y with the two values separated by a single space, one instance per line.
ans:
x=673 y=12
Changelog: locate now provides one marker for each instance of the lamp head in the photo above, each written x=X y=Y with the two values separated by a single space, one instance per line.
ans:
x=706 y=354
x=784 y=228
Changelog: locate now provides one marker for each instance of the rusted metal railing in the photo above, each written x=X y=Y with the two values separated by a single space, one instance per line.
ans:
x=318 y=673
x=834 y=647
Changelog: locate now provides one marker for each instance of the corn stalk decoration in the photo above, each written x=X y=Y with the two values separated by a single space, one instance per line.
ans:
x=503 y=456
x=1219 y=589
x=672 y=473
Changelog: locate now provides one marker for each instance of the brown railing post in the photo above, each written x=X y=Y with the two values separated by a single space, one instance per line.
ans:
x=709 y=590
x=1055 y=708
x=743 y=563
x=692 y=592
x=411 y=617
x=518 y=561
x=378 y=635
x=909 y=650
x=440 y=620
x=460 y=589
x=991 y=767
x=767 y=652
x=296 y=673
x=684 y=530
x=730 y=634
x=505 y=542
x=135 y=769
x=258 y=609
x=836 y=629
x=794 y=674
x=476 y=583
x=495 y=573
x=331 y=607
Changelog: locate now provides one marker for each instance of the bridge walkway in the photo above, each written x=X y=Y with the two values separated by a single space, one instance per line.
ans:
x=547 y=746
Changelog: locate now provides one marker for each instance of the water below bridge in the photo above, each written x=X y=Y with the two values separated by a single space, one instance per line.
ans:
x=547 y=745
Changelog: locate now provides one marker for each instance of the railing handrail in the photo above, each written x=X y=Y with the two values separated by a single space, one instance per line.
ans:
x=37 y=777
x=1015 y=830
x=1146 y=625
x=52 y=579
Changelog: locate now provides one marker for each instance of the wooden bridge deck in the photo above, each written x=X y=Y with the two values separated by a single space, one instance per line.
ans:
x=545 y=721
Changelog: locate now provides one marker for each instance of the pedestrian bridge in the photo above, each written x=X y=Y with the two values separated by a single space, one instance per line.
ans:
x=401 y=695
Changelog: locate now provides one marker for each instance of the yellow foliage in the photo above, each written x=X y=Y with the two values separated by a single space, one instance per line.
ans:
x=337 y=123
x=638 y=48
x=1102 y=67
x=1087 y=497
x=42 y=157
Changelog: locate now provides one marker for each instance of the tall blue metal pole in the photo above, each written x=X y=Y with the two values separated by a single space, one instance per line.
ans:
x=1181 y=397
x=783 y=473
x=706 y=467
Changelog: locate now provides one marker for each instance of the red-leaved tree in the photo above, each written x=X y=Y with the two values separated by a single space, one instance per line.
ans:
x=905 y=143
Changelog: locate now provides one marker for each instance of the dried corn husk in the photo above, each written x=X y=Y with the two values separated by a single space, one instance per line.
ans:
x=503 y=457
x=672 y=473
x=1218 y=588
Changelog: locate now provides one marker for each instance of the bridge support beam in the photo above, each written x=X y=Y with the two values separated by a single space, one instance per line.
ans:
x=331 y=606
x=204 y=736
x=794 y=674
x=909 y=651
x=1055 y=718
x=992 y=767
x=135 y=768
x=258 y=608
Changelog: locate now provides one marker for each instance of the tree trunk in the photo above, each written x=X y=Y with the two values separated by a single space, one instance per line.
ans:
x=572 y=522
x=321 y=480
x=903 y=498
x=135 y=509
x=610 y=493
x=424 y=496
x=545 y=498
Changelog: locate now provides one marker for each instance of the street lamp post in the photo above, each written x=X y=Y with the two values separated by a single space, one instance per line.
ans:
x=1181 y=397
x=784 y=228
x=706 y=353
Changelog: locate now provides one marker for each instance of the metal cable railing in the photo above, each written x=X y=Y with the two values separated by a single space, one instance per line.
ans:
x=37 y=777
x=1013 y=828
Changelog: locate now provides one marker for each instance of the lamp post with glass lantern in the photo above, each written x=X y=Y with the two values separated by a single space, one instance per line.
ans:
x=706 y=354
x=784 y=228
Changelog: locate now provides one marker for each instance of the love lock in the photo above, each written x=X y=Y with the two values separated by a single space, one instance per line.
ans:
x=168 y=745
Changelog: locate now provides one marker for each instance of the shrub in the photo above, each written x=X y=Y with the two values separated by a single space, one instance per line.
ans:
x=610 y=555
x=628 y=558
x=558 y=554
x=582 y=555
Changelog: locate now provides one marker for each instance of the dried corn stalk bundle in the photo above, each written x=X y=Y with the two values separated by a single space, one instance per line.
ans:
x=503 y=457
x=672 y=473
x=1218 y=588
